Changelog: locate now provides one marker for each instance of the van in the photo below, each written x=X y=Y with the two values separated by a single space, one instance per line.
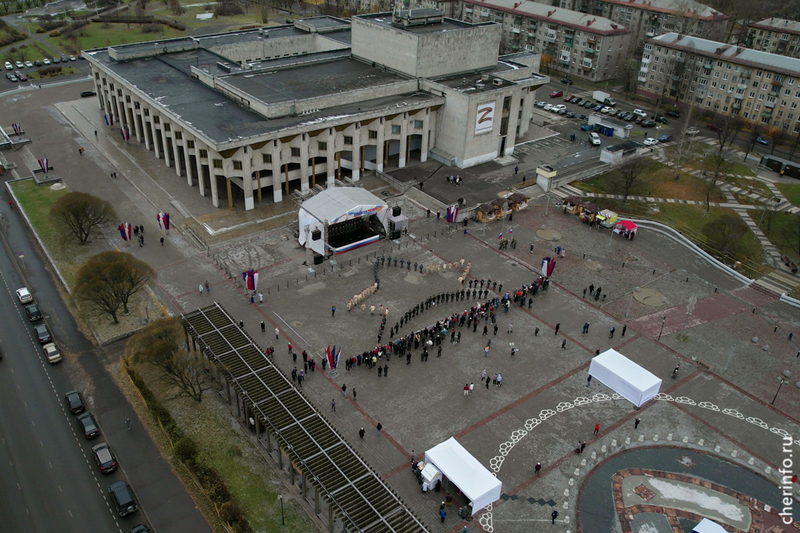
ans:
x=594 y=139
x=123 y=499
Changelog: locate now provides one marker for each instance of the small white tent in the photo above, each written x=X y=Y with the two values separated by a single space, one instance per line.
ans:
x=708 y=526
x=466 y=473
x=625 y=377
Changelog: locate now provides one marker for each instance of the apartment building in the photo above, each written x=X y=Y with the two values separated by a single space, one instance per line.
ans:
x=649 y=18
x=723 y=78
x=581 y=45
x=776 y=36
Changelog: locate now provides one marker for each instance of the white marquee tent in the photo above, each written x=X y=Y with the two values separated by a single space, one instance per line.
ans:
x=466 y=473
x=625 y=377
x=708 y=526
x=335 y=205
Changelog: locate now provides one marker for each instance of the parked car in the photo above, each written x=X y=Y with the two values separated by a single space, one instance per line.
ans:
x=713 y=127
x=123 y=499
x=569 y=98
x=586 y=127
x=86 y=94
x=52 y=353
x=8 y=65
x=594 y=139
x=64 y=59
x=33 y=312
x=620 y=113
x=43 y=334
x=566 y=81
x=539 y=104
x=639 y=120
x=606 y=110
x=562 y=111
x=580 y=116
x=548 y=107
x=588 y=104
x=639 y=113
x=650 y=141
x=74 y=401
x=37 y=63
x=661 y=119
x=55 y=60
x=73 y=58
x=648 y=123
x=571 y=114
x=141 y=528
x=761 y=140
x=628 y=117
x=598 y=107
x=105 y=458
x=558 y=108
x=21 y=76
x=11 y=77
x=556 y=94
x=46 y=61
x=692 y=131
x=665 y=138
x=28 y=64
x=19 y=64
x=673 y=114
x=24 y=295
x=90 y=429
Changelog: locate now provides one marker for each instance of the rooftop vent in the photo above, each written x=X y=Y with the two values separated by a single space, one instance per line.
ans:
x=485 y=77
x=497 y=81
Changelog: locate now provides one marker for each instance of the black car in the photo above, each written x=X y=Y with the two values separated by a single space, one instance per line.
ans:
x=43 y=334
x=90 y=429
x=673 y=114
x=86 y=94
x=571 y=114
x=578 y=100
x=33 y=313
x=21 y=76
x=648 y=123
x=141 y=528
x=581 y=116
x=123 y=499
x=105 y=458
x=74 y=400
x=38 y=63
x=661 y=120
x=566 y=81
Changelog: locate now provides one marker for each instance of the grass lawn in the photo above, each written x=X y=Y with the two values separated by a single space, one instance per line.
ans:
x=100 y=35
x=746 y=200
x=657 y=181
x=783 y=233
x=65 y=71
x=754 y=186
x=189 y=17
x=791 y=191
x=26 y=52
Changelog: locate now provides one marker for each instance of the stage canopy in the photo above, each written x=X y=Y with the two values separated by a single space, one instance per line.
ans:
x=708 y=526
x=626 y=225
x=625 y=377
x=333 y=206
x=466 y=473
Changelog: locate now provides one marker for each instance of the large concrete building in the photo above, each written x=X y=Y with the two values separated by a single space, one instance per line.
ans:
x=581 y=45
x=649 y=18
x=726 y=79
x=269 y=111
x=776 y=36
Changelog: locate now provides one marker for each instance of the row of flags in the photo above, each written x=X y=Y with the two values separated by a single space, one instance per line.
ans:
x=250 y=278
x=126 y=134
x=125 y=231
x=163 y=221
x=17 y=127
x=548 y=264
x=109 y=119
x=452 y=213
x=333 y=356
x=44 y=163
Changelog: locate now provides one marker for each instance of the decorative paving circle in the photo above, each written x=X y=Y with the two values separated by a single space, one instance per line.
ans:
x=650 y=297
x=547 y=234
x=592 y=265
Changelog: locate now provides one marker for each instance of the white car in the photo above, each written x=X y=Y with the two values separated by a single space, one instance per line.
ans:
x=24 y=295
x=19 y=64
x=650 y=141
x=9 y=66
x=548 y=107
x=46 y=61
x=29 y=64
x=52 y=353
x=692 y=131
x=639 y=113
x=594 y=139
x=557 y=108
x=606 y=110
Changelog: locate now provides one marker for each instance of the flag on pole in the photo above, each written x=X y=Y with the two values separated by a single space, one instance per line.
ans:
x=452 y=213
x=46 y=165
x=500 y=236
x=121 y=229
x=159 y=217
x=128 y=229
x=250 y=278
x=122 y=132
x=106 y=117
x=166 y=221
x=336 y=358
x=17 y=128
x=328 y=356
x=255 y=279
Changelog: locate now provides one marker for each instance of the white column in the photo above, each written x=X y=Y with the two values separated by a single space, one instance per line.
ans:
x=423 y=147
x=331 y=157
x=201 y=179
x=175 y=156
x=247 y=178
x=214 y=191
x=381 y=141
x=277 y=176
x=137 y=113
x=304 y=181
x=187 y=160
x=153 y=133
x=403 y=141
x=356 y=151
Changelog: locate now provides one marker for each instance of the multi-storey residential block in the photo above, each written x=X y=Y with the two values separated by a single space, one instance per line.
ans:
x=777 y=36
x=648 y=18
x=726 y=79
x=581 y=45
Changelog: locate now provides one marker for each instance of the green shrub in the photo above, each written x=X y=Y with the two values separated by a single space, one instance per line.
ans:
x=186 y=450
x=55 y=33
x=231 y=513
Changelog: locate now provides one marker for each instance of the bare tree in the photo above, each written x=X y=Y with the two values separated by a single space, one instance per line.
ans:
x=725 y=233
x=778 y=136
x=108 y=280
x=162 y=345
x=755 y=132
x=792 y=234
x=730 y=127
x=717 y=162
x=82 y=215
x=629 y=170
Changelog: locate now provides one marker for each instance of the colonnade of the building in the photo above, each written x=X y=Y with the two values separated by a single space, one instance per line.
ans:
x=297 y=161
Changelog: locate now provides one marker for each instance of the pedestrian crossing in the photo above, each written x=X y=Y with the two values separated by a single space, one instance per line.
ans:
x=541 y=145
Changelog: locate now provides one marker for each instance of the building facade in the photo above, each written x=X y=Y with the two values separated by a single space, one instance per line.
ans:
x=776 y=36
x=723 y=78
x=649 y=18
x=261 y=113
x=584 y=46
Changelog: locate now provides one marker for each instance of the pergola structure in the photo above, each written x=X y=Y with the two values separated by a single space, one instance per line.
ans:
x=278 y=411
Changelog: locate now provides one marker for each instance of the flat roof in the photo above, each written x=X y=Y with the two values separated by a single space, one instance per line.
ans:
x=310 y=81
x=447 y=24
x=777 y=25
x=729 y=52
x=324 y=24
x=624 y=146
x=555 y=15
x=691 y=8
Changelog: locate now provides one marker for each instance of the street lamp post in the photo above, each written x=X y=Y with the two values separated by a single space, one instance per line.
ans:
x=283 y=520
x=663 y=319
x=635 y=289
x=781 y=381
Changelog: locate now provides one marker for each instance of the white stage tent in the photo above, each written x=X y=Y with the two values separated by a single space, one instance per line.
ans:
x=466 y=473
x=625 y=377
x=708 y=526
x=335 y=205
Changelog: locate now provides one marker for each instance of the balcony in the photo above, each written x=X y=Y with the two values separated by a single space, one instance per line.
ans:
x=644 y=68
x=592 y=40
x=769 y=105
x=515 y=30
x=551 y=37
x=747 y=74
x=736 y=104
x=467 y=10
x=586 y=65
x=708 y=66
x=642 y=77
x=767 y=113
x=484 y=12
x=739 y=96
x=569 y=41
x=589 y=51
x=565 y=58
x=646 y=60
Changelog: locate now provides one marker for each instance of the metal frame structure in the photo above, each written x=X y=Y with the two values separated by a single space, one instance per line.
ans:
x=365 y=503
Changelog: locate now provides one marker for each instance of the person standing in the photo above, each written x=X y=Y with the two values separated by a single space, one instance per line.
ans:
x=537 y=468
x=611 y=333
x=333 y=405
x=510 y=328
x=442 y=514
x=585 y=329
x=564 y=344
x=162 y=241
x=636 y=422
x=488 y=380
x=516 y=170
x=201 y=290
x=128 y=423
x=596 y=429
x=361 y=433
x=583 y=445
x=466 y=389
x=260 y=297
x=589 y=380
x=486 y=351
x=277 y=333
x=471 y=387
x=379 y=427
x=558 y=326
x=208 y=287
x=333 y=311
x=344 y=390
x=624 y=328
x=554 y=515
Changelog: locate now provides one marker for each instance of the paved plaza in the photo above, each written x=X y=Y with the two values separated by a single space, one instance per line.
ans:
x=715 y=422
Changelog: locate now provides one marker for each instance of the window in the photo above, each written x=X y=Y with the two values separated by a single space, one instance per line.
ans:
x=395 y=129
x=295 y=152
x=758 y=73
x=156 y=119
x=719 y=63
x=218 y=163
x=203 y=154
x=728 y=66
x=373 y=134
x=189 y=144
x=237 y=165
x=769 y=75
x=418 y=124
x=790 y=81
x=266 y=158
x=725 y=77
x=713 y=85
x=783 y=103
x=178 y=135
x=793 y=106
x=752 y=94
x=761 y=97
x=166 y=126
x=765 y=87
x=348 y=140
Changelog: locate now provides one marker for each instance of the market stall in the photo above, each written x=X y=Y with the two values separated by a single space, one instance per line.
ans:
x=588 y=212
x=625 y=377
x=626 y=228
x=607 y=218
x=473 y=479
x=486 y=213
x=572 y=204
x=517 y=201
